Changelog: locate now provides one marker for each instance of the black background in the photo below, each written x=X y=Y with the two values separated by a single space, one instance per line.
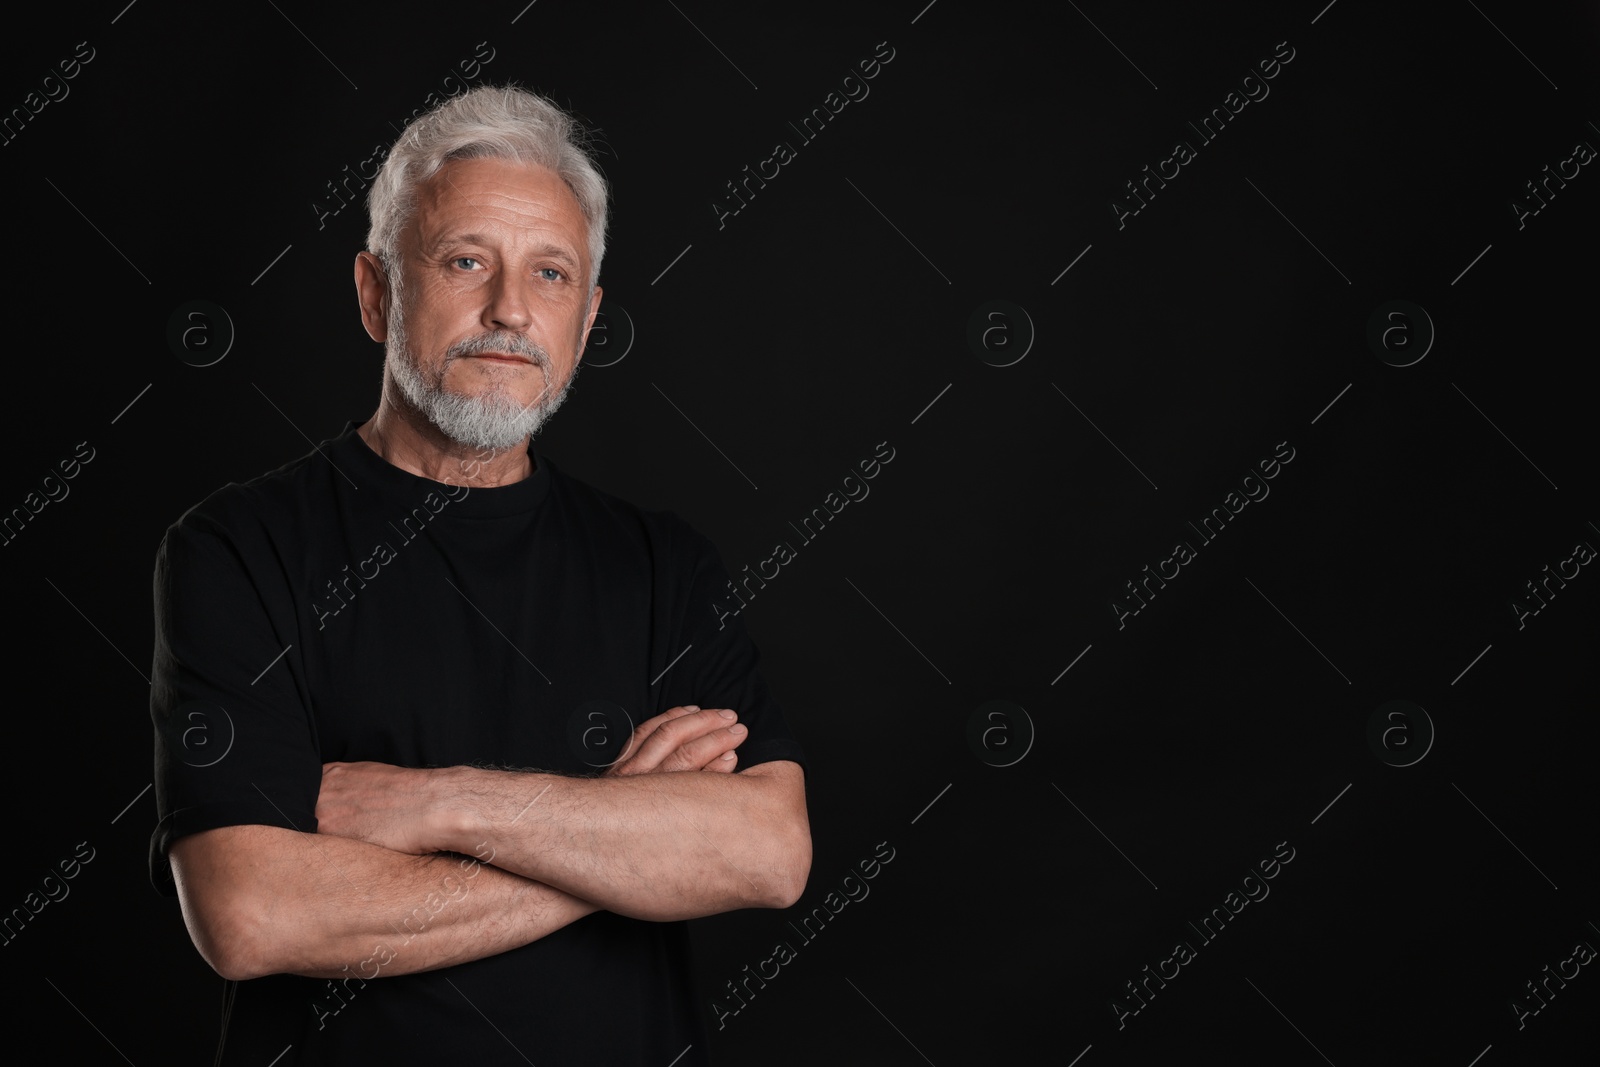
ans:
x=832 y=313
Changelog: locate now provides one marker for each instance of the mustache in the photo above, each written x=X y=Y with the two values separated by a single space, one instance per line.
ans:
x=512 y=344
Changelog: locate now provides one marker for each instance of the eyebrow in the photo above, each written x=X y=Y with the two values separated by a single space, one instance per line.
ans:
x=551 y=251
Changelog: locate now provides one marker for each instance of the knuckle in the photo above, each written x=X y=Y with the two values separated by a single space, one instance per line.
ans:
x=681 y=730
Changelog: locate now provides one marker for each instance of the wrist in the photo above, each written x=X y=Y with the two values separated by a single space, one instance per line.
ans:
x=450 y=813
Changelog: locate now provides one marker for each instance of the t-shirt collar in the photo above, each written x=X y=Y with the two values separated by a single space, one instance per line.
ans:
x=368 y=471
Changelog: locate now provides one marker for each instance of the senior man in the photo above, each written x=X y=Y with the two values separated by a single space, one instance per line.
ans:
x=389 y=674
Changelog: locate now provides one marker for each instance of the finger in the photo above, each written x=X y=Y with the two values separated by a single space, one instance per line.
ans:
x=671 y=713
x=705 y=751
x=726 y=763
x=625 y=761
x=657 y=748
x=646 y=728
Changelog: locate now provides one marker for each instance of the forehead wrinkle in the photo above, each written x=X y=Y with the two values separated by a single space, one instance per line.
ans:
x=444 y=172
x=543 y=211
x=534 y=205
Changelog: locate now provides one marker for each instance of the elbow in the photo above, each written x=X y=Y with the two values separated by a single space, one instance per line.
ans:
x=236 y=968
x=244 y=956
x=792 y=870
x=789 y=893
x=226 y=925
x=245 y=914
x=788 y=833
x=230 y=943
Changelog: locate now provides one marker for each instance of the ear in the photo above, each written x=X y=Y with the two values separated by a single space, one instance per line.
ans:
x=372 y=293
x=588 y=323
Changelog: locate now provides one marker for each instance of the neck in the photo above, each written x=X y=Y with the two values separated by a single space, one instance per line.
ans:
x=400 y=435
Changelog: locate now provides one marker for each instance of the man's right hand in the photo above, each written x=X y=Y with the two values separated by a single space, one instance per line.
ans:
x=687 y=738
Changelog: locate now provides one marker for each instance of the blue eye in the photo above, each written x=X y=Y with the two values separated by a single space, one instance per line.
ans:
x=548 y=271
x=465 y=259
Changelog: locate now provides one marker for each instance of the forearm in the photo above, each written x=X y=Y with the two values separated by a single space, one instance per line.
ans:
x=651 y=846
x=262 y=900
x=666 y=833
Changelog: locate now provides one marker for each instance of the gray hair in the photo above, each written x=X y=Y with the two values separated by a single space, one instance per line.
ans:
x=489 y=122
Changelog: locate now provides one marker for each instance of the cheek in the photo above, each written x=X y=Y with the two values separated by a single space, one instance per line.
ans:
x=561 y=332
x=439 y=307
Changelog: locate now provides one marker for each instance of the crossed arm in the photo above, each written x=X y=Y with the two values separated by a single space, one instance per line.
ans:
x=669 y=832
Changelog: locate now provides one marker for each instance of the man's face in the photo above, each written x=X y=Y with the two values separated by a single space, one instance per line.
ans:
x=494 y=306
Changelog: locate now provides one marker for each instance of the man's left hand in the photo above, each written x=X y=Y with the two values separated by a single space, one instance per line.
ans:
x=685 y=738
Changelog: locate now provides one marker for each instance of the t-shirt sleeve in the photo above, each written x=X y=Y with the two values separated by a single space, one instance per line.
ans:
x=233 y=738
x=722 y=664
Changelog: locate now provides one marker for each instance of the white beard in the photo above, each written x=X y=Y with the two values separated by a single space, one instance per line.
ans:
x=493 y=420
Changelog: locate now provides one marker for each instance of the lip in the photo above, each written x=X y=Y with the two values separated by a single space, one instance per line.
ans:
x=501 y=357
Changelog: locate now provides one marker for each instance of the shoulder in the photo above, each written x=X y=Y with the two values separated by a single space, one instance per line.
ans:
x=255 y=512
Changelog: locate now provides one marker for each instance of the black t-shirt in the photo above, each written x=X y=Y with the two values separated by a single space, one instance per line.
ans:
x=342 y=609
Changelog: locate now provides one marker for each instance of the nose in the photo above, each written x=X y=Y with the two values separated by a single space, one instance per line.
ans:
x=507 y=306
